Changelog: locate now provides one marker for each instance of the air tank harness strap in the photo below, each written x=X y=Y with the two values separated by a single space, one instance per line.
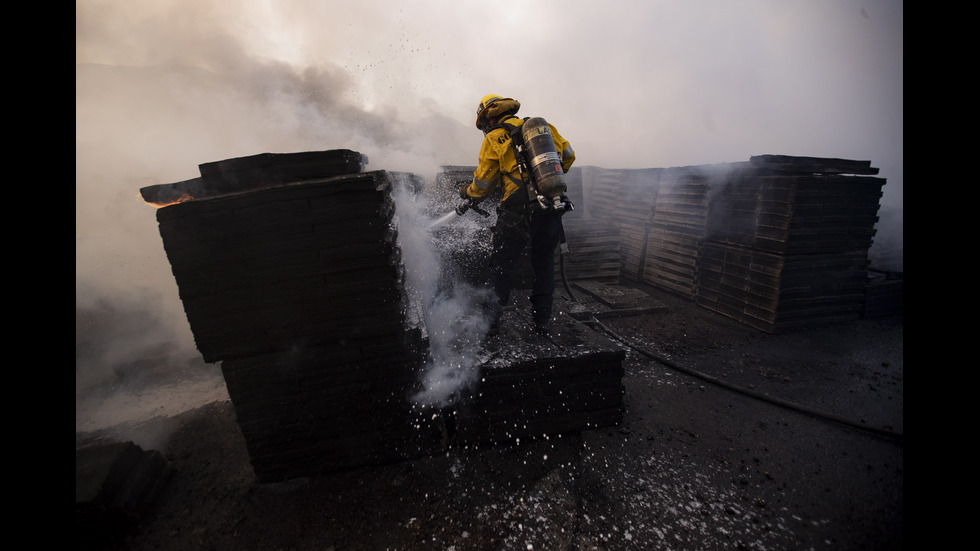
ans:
x=527 y=179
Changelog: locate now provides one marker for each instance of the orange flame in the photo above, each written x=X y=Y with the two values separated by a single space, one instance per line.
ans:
x=180 y=199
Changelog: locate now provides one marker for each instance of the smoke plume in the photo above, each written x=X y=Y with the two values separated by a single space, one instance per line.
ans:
x=154 y=124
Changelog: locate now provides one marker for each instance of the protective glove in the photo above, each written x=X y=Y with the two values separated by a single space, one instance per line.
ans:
x=462 y=191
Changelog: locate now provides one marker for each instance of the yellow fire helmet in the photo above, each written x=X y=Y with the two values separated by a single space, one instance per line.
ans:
x=492 y=106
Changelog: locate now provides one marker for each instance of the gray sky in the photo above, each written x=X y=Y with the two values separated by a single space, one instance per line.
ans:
x=162 y=87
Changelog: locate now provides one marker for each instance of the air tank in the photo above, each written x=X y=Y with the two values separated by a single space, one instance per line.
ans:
x=543 y=161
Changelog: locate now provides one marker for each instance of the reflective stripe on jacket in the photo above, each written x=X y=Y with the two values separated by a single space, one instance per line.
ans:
x=497 y=165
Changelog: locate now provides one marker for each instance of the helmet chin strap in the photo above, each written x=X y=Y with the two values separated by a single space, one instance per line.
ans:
x=490 y=122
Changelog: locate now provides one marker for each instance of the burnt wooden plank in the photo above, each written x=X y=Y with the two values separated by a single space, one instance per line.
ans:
x=255 y=171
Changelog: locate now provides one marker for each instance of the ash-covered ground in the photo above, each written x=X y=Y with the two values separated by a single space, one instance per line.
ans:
x=694 y=465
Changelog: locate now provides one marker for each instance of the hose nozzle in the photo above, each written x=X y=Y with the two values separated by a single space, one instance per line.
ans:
x=470 y=204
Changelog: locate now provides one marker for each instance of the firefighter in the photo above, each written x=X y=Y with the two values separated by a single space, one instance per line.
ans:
x=521 y=221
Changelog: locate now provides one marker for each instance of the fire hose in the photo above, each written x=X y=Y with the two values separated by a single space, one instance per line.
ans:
x=881 y=431
x=715 y=381
x=471 y=204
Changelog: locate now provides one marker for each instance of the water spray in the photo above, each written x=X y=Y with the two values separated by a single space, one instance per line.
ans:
x=469 y=204
x=441 y=221
x=453 y=314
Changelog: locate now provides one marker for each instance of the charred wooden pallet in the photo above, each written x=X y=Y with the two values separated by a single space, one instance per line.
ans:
x=632 y=250
x=682 y=201
x=603 y=197
x=633 y=213
x=671 y=261
x=638 y=191
x=536 y=386
x=775 y=293
x=254 y=172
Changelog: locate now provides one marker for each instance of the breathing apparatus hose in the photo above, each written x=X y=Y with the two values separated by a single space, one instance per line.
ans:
x=899 y=437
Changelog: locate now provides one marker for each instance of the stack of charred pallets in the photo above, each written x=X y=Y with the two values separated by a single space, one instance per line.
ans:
x=788 y=242
x=677 y=229
x=291 y=275
x=659 y=216
x=294 y=282
x=625 y=201
x=776 y=242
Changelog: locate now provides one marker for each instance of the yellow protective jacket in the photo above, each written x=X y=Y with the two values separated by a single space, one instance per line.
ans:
x=497 y=165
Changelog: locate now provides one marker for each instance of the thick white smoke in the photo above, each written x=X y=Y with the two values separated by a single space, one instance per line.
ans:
x=452 y=309
x=144 y=126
